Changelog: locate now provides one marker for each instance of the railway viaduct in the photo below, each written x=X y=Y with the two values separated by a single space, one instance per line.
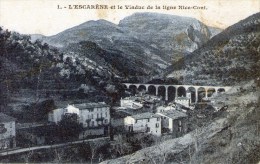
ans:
x=178 y=89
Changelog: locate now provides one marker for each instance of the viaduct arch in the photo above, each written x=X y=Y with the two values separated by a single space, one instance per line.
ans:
x=205 y=91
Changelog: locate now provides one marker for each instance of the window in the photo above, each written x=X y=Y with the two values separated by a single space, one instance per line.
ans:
x=105 y=121
x=148 y=129
x=101 y=114
x=158 y=118
x=157 y=125
x=93 y=123
x=106 y=114
x=97 y=115
x=92 y=116
x=135 y=121
x=148 y=120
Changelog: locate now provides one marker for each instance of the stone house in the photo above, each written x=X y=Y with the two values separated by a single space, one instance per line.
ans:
x=143 y=122
x=174 y=122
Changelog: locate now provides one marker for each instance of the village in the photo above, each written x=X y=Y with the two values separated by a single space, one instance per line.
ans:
x=137 y=113
x=155 y=82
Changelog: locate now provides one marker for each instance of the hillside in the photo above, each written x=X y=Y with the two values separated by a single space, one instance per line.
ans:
x=228 y=58
x=159 y=39
x=170 y=33
x=231 y=137
x=31 y=72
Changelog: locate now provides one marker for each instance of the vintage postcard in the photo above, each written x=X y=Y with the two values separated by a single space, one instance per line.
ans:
x=130 y=81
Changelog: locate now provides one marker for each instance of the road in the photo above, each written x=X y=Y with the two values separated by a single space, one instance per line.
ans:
x=22 y=150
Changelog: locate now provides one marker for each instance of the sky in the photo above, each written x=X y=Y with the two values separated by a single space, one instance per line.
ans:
x=44 y=17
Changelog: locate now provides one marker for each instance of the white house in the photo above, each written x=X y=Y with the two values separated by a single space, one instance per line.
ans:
x=56 y=115
x=144 y=122
x=130 y=102
x=90 y=114
x=185 y=101
x=169 y=107
x=173 y=122
x=7 y=131
x=93 y=114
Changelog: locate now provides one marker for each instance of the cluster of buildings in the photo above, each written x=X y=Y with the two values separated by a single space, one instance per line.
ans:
x=140 y=100
x=142 y=113
x=147 y=114
x=94 y=117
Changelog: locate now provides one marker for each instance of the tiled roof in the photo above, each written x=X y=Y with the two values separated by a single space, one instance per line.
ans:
x=120 y=114
x=91 y=105
x=130 y=98
x=6 y=118
x=144 y=115
x=174 y=114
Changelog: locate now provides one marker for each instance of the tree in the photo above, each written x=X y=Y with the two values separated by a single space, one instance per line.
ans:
x=4 y=72
x=162 y=155
x=59 y=155
x=69 y=127
x=27 y=156
x=121 y=146
x=94 y=146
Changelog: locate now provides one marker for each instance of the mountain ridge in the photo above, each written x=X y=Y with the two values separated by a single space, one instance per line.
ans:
x=229 y=57
x=160 y=39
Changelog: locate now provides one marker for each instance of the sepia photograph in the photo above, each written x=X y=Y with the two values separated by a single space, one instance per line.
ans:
x=130 y=81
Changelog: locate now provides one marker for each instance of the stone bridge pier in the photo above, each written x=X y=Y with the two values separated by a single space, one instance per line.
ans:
x=187 y=88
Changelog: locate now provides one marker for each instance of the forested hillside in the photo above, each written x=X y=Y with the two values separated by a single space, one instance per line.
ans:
x=38 y=67
x=228 y=58
x=25 y=64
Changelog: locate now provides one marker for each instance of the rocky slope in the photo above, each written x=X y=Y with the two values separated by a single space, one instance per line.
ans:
x=228 y=58
x=172 y=34
x=159 y=39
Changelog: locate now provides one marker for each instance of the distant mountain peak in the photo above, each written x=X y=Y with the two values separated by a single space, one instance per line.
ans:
x=94 y=23
x=158 y=15
x=145 y=42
